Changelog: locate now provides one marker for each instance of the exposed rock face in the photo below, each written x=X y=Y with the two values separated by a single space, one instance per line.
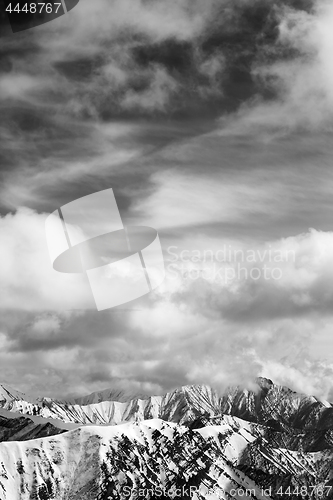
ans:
x=22 y=428
x=269 y=403
x=267 y=443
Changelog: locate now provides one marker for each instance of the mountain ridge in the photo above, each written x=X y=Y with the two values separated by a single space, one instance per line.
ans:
x=269 y=441
x=267 y=403
x=118 y=462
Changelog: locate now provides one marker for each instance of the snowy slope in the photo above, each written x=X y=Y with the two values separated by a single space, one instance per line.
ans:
x=188 y=438
x=270 y=403
x=97 y=463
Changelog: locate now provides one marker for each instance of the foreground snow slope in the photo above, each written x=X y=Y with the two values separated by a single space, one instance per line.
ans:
x=118 y=462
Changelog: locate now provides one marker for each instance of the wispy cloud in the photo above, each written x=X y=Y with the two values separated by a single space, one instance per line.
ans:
x=300 y=79
x=110 y=62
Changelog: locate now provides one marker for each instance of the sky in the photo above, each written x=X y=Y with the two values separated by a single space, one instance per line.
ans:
x=212 y=121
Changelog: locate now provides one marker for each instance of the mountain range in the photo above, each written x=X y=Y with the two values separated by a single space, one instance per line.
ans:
x=264 y=442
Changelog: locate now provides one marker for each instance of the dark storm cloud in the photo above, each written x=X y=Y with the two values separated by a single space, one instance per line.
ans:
x=139 y=63
x=47 y=331
x=137 y=70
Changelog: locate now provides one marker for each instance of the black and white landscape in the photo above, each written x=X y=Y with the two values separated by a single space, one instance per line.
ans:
x=212 y=122
x=269 y=442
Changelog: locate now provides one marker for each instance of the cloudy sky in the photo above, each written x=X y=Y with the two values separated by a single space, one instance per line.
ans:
x=212 y=120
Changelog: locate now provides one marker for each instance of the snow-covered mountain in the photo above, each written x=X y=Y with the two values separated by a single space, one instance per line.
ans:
x=270 y=403
x=225 y=460
x=267 y=443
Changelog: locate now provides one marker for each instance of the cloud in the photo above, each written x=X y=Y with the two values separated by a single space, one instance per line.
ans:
x=300 y=79
x=181 y=199
x=81 y=111
x=147 y=57
x=28 y=281
x=112 y=58
x=218 y=331
x=68 y=154
x=311 y=377
x=45 y=325
x=130 y=61
x=20 y=86
x=283 y=279
x=156 y=96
